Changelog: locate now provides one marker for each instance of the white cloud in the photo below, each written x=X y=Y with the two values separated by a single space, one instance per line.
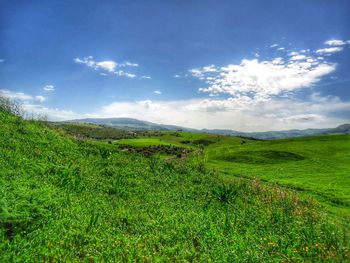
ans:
x=145 y=77
x=210 y=68
x=280 y=48
x=177 y=76
x=125 y=74
x=298 y=57
x=129 y=75
x=294 y=53
x=157 y=92
x=49 y=87
x=201 y=72
x=2 y=60
x=53 y=114
x=33 y=109
x=108 y=66
x=197 y=73
x=20 y=96
x=40 y=98
x=274 y=45
x=262 y=80
x=15 y=95
x=329 y=50
x=130 y=64
x=335 y=42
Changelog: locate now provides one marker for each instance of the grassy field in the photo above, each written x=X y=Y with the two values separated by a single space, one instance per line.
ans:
x=315 y=165
x=67 y=200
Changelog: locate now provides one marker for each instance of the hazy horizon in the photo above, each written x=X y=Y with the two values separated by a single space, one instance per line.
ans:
x=107 y=118
x=241 y=65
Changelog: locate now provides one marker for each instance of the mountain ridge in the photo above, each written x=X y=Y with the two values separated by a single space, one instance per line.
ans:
x=132 y=123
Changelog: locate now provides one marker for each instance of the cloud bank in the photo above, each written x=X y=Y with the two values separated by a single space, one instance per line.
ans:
x=241 y=113
x=262 y=80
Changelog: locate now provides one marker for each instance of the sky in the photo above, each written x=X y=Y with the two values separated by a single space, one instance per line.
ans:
x=230 y=64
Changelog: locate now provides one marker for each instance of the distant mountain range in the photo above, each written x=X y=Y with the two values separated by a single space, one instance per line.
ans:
x=131 y=124
x=134 y=124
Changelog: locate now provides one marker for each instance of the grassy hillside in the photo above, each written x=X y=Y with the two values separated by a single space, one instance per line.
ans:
x=66 y=200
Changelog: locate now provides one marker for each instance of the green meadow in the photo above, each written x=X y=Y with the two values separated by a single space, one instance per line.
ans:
x=314 y=165
x=68 y=198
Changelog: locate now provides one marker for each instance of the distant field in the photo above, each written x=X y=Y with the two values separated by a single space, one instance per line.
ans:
x=180 y=139
x=142 y=142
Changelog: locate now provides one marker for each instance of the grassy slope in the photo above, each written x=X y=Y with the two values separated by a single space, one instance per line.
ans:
x=323 y=169
x=66 y=200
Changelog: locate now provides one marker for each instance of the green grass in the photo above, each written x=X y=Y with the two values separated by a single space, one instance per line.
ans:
x=321 y=172
x=317 y=165
x=67 y=200
x=178 y=138
x=314 y=165
x=142 y=142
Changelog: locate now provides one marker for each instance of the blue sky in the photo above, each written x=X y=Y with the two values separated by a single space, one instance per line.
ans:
x=244 y=65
